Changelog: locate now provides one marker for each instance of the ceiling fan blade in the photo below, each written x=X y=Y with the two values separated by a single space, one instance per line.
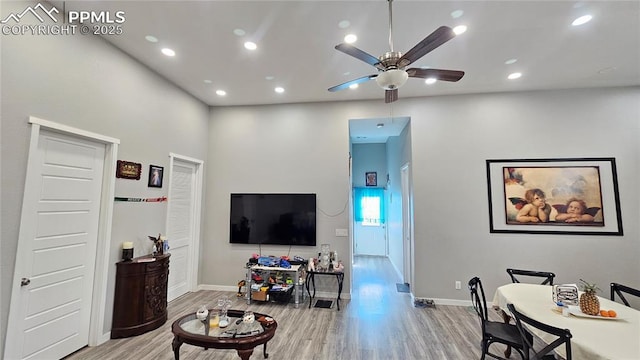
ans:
x=443 y=75
x=390 y=96
x=354 y=81
x=357 y=53
x=435 y=39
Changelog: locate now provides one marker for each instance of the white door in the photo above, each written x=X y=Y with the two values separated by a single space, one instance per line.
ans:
x=182 y=225
x=406 y=224
x=54 y=272
x=370 y=239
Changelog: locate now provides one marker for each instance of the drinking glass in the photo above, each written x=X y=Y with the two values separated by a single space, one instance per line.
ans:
x=214 y=320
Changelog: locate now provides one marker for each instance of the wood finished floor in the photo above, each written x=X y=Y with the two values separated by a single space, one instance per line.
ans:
x=376 y=323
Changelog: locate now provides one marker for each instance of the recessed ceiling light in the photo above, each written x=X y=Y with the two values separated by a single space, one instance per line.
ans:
x=151 y=38
x=221 y=92
x=430 y=81
x=168 y=52
x=250 y=45
x=279 y=90
x=350 y=39
x=511 y=61
x=346 y=73
x=514 y=76
x=456 y=14
x=581 y=20
x=344 y=24
x=353 y=86
x=239 y=32
x=459 y=29
x=269 y=77
x=207 y=81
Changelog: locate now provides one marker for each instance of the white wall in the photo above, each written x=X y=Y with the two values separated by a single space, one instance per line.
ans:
x=86 y=83
x=279 y=148
x=369 y=158
x=398 y=155
x=304 y=147
x=452 y=138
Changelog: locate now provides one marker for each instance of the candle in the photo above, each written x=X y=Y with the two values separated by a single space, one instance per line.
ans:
x=127 y=250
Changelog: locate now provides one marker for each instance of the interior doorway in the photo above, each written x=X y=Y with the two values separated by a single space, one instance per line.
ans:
x=380 y=146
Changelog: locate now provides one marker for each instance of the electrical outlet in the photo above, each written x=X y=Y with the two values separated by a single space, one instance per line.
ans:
x=458 y=285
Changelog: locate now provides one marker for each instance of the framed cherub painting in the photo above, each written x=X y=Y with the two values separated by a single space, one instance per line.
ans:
x=554 y=196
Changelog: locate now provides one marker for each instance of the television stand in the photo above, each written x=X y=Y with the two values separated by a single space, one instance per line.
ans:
x=297 y=283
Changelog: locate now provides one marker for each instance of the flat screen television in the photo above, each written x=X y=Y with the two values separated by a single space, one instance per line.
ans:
x=273 y=219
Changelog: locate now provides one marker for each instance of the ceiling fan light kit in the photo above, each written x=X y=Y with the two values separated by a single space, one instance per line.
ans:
x=392 y=79
x=391 y=66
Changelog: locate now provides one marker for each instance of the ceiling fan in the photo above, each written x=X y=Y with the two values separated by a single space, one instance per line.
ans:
x=391 y=66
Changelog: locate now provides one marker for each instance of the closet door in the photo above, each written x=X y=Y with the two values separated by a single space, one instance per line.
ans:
x=183 y=223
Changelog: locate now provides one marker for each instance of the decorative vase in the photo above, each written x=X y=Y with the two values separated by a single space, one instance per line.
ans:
x=325 y=251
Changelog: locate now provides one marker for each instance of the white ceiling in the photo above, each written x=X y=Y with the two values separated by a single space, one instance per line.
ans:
x=376 y=130
x=296 y=42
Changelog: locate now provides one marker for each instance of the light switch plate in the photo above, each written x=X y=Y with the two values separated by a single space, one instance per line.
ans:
x=342 y=232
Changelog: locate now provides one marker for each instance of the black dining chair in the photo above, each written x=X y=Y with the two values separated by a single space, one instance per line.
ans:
x=563 y=337
x=548 y=276
x=492 y=331
x=619 y=289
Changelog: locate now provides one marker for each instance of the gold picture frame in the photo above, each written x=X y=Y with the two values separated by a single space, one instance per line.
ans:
x=128 y=170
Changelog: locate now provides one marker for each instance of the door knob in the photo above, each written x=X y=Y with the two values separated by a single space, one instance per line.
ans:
x=25 y=282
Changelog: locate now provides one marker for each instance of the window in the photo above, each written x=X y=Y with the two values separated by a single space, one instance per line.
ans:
x=369 y=206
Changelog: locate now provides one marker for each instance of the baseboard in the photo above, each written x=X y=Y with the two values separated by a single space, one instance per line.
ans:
x=452 y=302
x=218 y=288
x=331 y=295
x=103 y=339
x=319 y=294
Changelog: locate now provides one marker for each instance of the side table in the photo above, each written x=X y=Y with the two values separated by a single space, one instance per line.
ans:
x=140 y=301
x=311 y=279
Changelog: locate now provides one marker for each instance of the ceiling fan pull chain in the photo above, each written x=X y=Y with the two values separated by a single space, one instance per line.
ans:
x=390 y=26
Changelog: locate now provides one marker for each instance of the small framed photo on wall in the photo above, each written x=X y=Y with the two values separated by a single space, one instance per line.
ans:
x=371 y=178
x=128 y=170
x=155 y=176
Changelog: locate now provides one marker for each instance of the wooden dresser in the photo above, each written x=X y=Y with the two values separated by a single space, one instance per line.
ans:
x=140 y=303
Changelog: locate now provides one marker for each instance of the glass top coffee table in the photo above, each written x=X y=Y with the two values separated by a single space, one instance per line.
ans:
x=237 y=335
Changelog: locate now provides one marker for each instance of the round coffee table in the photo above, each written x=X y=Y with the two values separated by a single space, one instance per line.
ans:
x=242 y=337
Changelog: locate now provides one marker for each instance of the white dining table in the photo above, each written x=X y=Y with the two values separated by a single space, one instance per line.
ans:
x=593 y=338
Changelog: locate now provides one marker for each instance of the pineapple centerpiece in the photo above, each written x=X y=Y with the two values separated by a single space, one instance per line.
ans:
x=589 y=303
